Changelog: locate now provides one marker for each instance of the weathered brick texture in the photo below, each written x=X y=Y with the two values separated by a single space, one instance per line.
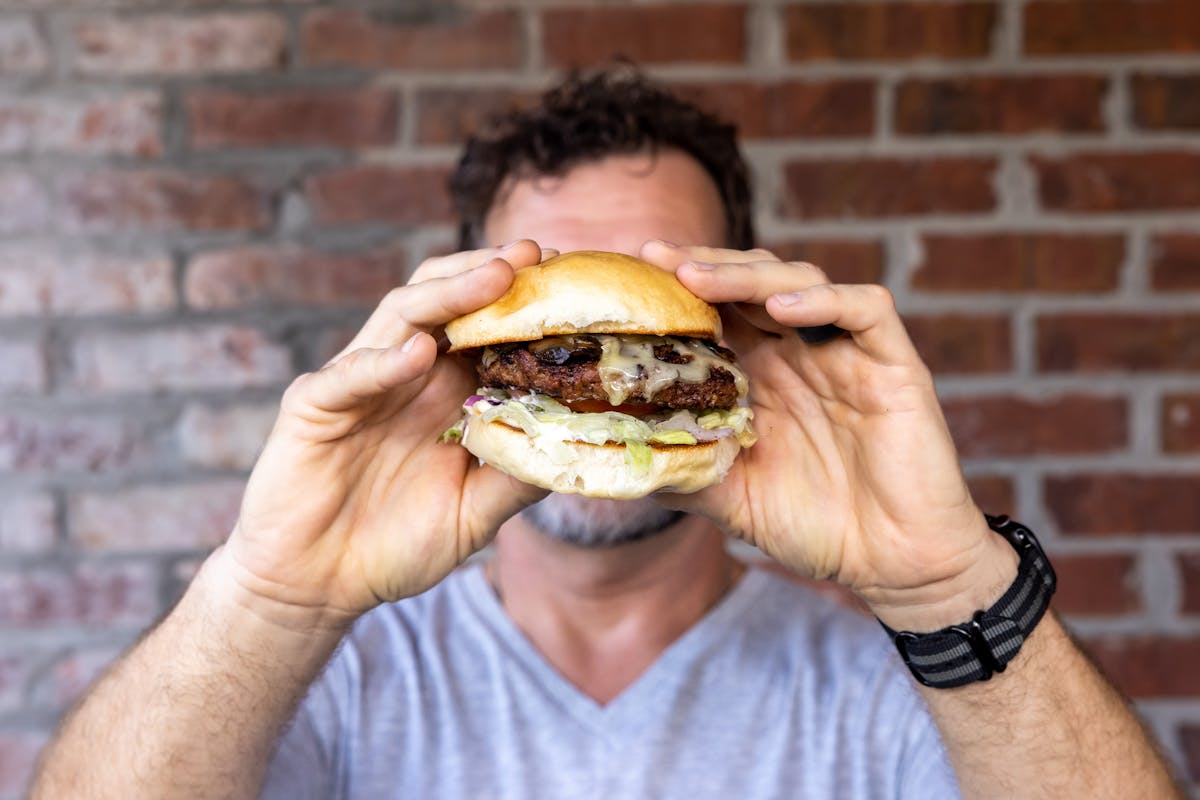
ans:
x=200 y=199
x=708 y=33
x=373 y=40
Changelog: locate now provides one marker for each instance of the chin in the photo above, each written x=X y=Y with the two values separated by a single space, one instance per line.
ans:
x=598 y=523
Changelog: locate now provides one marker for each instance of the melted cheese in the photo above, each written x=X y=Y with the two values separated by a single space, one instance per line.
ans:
x=627 y=361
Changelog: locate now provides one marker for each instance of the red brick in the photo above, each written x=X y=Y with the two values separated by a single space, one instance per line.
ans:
x=843 y=260
x=179 y=44
x=887 y=187
x=1015 y=426
x=18 y=755
x=225 y=438
x=175 y=517
x=1149 y=666
x=23 y=49
x=22 y=366
x=1124 y=503
x=1166 y=102
x=448 y=116
x=1181 y=423
x=1189 y=567
x=1127 y=342
x=179 y=358
x=444 y=39
x=24 y=203
x=655 y=34
x=1118 y=181
x=960 y=343
x=378 y=193
x=27 y=523
x=1020 y=262
x=838 y=108
x=1000 y=104
x=1077 y=27
x=288 y=274
x=159 y=200
x=889 y=30
x=108 y=594
x=1189 y=742
x=1090 y=585
x=1175 y=261
x=78 y=443
x=994 y=494
x=310 y=117
x=128 y=124
x=35 y=280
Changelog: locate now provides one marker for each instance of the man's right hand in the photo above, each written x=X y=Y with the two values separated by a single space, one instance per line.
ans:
x=353 y=501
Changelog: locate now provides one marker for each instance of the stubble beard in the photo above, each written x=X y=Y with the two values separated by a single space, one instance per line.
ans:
x=594 y=523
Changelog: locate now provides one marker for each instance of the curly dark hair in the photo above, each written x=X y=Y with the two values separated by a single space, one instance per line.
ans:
x=585 y=118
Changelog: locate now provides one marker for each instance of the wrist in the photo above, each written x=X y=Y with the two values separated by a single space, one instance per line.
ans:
x=987 y=574
x=244 y=617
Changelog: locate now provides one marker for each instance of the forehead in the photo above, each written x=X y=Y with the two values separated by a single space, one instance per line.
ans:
x=615 y=204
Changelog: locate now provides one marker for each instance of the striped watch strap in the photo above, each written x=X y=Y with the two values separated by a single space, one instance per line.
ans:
x=975 y=650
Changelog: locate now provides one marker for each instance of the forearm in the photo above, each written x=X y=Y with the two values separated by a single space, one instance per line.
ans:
x=194 y=710
x=1048 y=726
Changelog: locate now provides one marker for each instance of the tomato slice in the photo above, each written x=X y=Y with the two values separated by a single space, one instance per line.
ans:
x=598 y=406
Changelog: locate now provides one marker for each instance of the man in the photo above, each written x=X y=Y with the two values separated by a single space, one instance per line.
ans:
x=608 y=649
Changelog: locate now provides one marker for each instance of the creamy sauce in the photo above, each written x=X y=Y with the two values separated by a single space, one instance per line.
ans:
x=627 y=361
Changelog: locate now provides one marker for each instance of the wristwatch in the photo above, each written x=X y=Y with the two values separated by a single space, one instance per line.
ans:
x=977 y=649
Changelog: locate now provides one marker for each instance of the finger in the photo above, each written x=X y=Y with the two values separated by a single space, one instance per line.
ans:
x=491 y=497
x=868 y=312
x=361 y=376
x=670 y=256
x=520 y=253
x=430 y=303
x=749 y=281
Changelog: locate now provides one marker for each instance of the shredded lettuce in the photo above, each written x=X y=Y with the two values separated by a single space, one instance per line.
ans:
x=454 y=433
x=672 y=437
x=550 y=423
x=638 y=455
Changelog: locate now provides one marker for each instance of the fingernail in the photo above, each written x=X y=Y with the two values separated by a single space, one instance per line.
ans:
x=702 y=265
x=789 y=299
x=665 y=243
x=412 y=340
x=513 y=242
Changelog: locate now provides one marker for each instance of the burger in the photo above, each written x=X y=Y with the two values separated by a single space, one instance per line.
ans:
x=601 y=375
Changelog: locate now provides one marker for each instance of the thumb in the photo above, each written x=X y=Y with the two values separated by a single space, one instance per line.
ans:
x=491 y=497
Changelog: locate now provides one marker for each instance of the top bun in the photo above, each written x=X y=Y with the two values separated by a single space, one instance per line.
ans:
x=587 y=291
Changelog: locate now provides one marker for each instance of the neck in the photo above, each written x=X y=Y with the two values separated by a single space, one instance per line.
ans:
x=602 y=616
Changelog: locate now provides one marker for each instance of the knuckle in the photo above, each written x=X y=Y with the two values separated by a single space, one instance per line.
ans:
x=294 y=394
x=881 y=295
x=395 y=298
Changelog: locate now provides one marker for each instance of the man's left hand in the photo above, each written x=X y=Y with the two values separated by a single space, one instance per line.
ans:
x=855 y=477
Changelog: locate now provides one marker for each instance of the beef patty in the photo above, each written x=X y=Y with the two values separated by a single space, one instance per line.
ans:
x=577 y=377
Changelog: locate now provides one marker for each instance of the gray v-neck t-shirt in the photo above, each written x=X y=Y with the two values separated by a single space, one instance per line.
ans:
x=775 y=693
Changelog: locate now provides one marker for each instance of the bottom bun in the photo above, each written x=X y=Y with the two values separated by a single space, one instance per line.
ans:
x=600 y=470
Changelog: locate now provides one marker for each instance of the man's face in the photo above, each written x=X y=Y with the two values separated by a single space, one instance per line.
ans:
x=614 y=204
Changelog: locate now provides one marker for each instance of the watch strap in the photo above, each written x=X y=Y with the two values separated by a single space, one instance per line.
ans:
x=982 y=646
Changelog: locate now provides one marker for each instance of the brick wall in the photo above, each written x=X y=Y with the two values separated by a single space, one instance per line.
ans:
x=198 y=198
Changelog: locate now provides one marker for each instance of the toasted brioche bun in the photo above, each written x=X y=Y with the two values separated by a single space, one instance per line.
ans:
x=600 y=470
x=587 y=291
